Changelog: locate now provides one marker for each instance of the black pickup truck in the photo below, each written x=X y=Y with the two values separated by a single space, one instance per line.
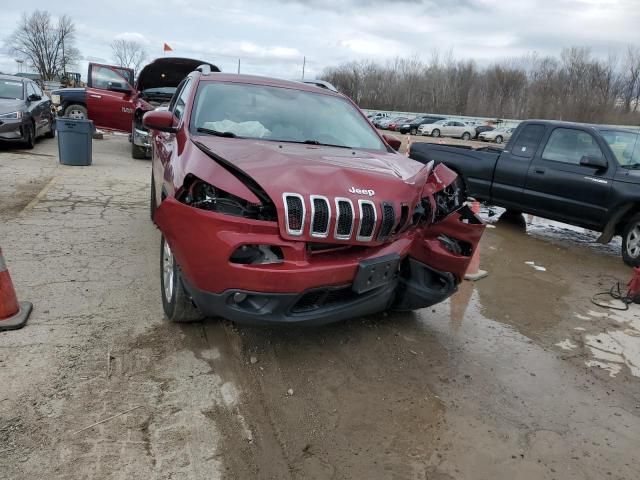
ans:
x=584 y=175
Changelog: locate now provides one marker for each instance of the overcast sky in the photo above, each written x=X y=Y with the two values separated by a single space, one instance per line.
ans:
x=272 y=36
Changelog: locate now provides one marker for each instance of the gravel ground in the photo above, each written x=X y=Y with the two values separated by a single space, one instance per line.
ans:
x=518 y=376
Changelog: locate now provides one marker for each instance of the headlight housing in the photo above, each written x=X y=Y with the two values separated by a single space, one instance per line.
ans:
x=11 y=116
x=55 y=99
x=199 y=194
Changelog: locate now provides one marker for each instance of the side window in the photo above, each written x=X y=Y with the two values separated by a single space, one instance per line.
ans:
x=103 y=77
x=30 y=89
x=528 y=140
x=569 y=146
x=181 y=99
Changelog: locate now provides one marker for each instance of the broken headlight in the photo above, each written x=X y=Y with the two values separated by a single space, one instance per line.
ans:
x=448 y=200
x=199 y=194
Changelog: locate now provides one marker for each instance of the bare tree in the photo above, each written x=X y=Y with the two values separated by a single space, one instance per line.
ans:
x=128 y=53
x=45 y=44
x=574 y=86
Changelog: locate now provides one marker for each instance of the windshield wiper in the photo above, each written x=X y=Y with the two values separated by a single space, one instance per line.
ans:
x=316 y=142
x=209 y=131
x=633 y=166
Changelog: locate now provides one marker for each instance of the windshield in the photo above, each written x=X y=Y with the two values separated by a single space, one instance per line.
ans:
x=439 y=122
x=11 y=89
x=281 y=114
x=625 y=146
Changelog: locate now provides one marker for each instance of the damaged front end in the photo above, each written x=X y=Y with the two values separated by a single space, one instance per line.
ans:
x=237 y=263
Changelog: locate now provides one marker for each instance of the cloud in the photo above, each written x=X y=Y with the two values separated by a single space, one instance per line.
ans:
x=272 y=36
x=134 y=37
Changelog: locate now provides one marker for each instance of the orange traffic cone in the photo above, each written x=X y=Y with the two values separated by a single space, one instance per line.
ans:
x=13 y=314
x=473 y=270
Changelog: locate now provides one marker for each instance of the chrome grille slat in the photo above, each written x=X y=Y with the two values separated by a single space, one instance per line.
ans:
x=368 y=220
x=320 y=216
x=388 y=220
x=344 y=218
x=295 y=212
x=374 y=220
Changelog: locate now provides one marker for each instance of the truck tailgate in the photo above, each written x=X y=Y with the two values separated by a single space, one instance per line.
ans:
x=475 y=166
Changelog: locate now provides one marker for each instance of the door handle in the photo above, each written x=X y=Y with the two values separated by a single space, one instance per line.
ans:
x=539 y=170
x=95 y=96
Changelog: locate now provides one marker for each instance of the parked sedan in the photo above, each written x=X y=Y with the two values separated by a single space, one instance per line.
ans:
x=448 y=128
x=385 y=122
x=499 y=135
x=25 y=112
x=398 y=122
x=483 y=128
x=412 y=127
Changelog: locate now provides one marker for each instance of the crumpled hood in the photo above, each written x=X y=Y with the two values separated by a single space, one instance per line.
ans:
x=330 y=172
x=281 y=166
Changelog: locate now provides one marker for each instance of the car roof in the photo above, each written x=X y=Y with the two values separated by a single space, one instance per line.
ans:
x=13 y=77
x=560 y=123
x=266 y=81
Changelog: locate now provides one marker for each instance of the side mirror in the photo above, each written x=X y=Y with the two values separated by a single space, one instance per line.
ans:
x=34 y=98
x=593 y=161
x=161 y=120
x=393 y=142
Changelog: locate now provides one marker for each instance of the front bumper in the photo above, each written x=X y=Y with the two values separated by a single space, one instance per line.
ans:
x=418 y=286
x=12 y=130
x=203 y=242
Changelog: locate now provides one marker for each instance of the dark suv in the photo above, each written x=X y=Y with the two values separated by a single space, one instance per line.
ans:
x=278 y=202
x=25 y=112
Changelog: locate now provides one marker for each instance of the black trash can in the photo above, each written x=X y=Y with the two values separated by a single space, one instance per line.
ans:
x=74 y=141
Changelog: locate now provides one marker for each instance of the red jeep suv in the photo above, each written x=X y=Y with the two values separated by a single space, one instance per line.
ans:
x=278 y=202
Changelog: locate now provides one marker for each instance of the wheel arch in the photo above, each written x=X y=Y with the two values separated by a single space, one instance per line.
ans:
x=617 y=222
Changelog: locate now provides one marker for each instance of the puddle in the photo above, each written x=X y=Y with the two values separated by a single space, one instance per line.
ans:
x=613 y=348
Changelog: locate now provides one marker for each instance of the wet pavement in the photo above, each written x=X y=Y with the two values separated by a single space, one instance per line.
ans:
x=518 y=376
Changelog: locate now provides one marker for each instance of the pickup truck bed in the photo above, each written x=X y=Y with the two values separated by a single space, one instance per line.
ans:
x=584 y=175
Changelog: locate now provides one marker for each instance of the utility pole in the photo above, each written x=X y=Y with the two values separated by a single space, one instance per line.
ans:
x=238 y=66
x=64 y=62
x=304 y=64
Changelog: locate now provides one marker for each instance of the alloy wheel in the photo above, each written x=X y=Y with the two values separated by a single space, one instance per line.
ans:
x=168 y=269
x=633 y=242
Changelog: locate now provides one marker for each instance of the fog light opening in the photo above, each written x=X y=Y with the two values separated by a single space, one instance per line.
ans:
x=257 y=255
x=239 y=297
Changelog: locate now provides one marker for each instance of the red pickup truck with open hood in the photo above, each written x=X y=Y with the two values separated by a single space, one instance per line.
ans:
x=278 y=202
x=115 y=102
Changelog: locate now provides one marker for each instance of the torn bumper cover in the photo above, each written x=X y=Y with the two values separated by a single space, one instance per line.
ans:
x=311 y=288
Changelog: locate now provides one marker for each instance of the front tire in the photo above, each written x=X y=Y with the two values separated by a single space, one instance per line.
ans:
x=52 y=130
x=152 y=200
x=466 y=136
x=29 y=136
x=435 y=133
x=499 y=139
x=176 y=303
x=631 y=242
x=138 y=152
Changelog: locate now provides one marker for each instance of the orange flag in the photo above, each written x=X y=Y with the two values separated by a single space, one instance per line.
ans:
x=167 y=48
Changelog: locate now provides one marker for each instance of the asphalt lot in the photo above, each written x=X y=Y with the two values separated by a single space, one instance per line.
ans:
x=518 y=376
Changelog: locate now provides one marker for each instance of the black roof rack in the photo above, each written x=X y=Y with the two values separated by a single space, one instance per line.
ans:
x=321 y=84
